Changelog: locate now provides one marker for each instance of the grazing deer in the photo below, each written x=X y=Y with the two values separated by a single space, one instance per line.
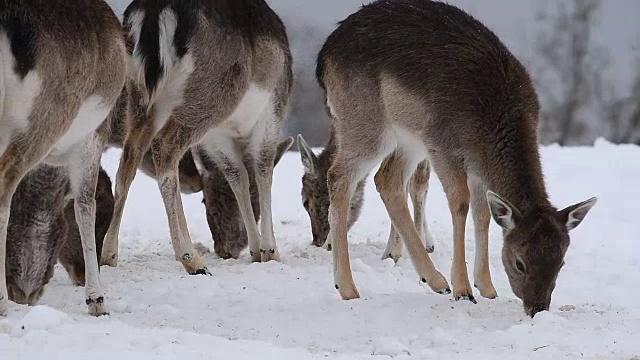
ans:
x=63 y=67
x=315 y=198
x=42 y=230
x=409 y=79
x=215 y=75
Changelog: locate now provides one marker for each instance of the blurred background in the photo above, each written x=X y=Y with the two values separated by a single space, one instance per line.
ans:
x=584 y=56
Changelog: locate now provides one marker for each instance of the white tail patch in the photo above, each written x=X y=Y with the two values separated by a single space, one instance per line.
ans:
x=167 y=24
x=167 y=31
x=135 y=21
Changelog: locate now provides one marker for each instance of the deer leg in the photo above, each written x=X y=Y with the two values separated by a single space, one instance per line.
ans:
x=394 y=246
x=263 y=165
x=168 y=147
x=341 y=180
x=84 y=166
x=454 y=182
x=481 y=219
x=418 y=188
x=391 y=181
x=135 y=146
x=228 y=157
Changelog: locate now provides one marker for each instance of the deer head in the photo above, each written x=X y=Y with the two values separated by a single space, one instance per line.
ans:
x=535 y=244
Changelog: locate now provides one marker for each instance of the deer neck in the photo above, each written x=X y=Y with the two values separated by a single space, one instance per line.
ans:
x=516 y=172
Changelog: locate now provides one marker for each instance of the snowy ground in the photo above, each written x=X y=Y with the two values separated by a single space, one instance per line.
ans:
x=290 y=310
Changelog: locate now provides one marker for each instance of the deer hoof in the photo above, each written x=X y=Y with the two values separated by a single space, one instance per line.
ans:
x=96 y=306
x=255 y=256
x=394 y=257
x=467 y=297
x=203 y=271
x=269 y=255
x=109 y=260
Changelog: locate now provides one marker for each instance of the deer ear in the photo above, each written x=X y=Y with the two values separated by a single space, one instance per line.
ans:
x=309 y=159
x=573 y=215
x=503 y=212
x=283 y=147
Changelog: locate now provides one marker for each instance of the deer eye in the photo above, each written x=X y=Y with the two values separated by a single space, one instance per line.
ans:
x=562 y=265
x=520 y=266
x=305 y=203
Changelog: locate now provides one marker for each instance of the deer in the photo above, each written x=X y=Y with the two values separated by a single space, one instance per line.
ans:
x=214 y=76
x=43 y=230
x=315 y=198
x=223 y=215
x=64 y=65
x=407 y=80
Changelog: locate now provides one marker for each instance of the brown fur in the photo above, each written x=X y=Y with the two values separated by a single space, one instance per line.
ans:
x=433 y=81
x=234 y=45
x=77 y=51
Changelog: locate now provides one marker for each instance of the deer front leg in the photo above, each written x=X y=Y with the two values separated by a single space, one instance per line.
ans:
x=136 y=144
x=481 y=219
x=454 y=182
x=391 y=184
x=83 y=168
x=394 y=245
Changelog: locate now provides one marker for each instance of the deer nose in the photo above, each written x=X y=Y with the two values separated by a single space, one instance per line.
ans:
x=536 y=308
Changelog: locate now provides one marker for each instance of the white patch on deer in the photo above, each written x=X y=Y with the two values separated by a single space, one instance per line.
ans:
x=17 y=95
x=135 y=21
x=170 y=92
x=251 y=108
x=412 y=147
x=167 y=24
x=91 y=114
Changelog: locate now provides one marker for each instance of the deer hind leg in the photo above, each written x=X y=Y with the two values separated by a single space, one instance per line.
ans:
x=481 y=219
x=348 y=168
x=454 y=182
x=168 y=147
x=136 y=144
x=263 y=165
x=418 y=188
x=391 y=182
x=229 y=158
x=84 y=166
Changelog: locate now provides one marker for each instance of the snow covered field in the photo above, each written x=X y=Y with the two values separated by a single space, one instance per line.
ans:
x=290 y=310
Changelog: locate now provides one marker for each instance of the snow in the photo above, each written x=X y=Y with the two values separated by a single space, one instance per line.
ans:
x=290 y=310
